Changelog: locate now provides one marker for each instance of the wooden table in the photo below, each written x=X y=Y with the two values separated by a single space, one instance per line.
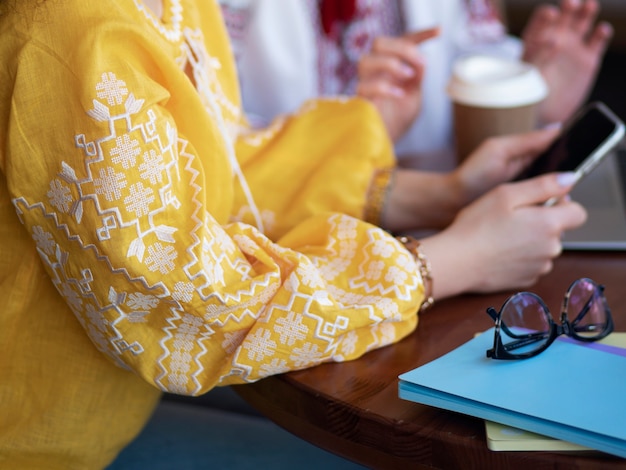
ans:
x=353 y=409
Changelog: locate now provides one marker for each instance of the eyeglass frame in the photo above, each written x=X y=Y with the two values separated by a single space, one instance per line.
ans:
x=499 y=350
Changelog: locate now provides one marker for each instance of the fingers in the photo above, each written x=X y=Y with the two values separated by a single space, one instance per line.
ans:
x=600 y=37
x=393 y=65
x=390 y=76
x=541 y=24
x=574 y=15
x=570 y=214
x=579 y=15
x=500 y=159
x=524 y=146
x=536 y=191
x=374 y=89
x=403 y=45
x=393 y=49
x=397 y=69
x=418 y=37
x=530 y=143
x=402 y=48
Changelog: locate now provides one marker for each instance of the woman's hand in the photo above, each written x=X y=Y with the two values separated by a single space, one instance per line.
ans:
x=505 y=239
x=498 y=160
x=390 y=76
x=567 y=46
x=430 y=200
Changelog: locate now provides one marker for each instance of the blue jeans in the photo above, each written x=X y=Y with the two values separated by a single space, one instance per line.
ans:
x=183 y=436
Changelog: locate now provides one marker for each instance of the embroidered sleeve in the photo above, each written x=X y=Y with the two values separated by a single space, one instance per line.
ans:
x=128 y=204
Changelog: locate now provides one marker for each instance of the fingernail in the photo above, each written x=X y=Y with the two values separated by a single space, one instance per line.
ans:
x=396 y=91
x=406 y=71
x=566 y=179
x=553 y=125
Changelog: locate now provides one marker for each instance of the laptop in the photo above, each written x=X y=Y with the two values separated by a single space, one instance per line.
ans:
x=603 y=193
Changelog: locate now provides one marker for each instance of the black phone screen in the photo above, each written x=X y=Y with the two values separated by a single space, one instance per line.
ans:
x=574 y=145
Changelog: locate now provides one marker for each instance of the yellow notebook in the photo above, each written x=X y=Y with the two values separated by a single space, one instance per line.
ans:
x=503 y=437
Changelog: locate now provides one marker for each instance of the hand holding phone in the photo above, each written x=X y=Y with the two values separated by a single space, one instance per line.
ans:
x=584 y=141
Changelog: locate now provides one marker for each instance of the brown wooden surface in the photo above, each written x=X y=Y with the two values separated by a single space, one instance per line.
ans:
x=353 y=408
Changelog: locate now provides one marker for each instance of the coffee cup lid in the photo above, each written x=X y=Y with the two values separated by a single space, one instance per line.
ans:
x=495 y=82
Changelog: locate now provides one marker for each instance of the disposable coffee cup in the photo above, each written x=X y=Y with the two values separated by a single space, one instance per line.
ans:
x=493 y=96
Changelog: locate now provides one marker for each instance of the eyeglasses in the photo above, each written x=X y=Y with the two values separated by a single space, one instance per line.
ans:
x=524 y=325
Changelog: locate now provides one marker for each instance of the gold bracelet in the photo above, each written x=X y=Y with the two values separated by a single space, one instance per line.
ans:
x=424 y=267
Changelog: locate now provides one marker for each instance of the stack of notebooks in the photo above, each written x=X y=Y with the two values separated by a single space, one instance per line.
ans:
x=570 y=397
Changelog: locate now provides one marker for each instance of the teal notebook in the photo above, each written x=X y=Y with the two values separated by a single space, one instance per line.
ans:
x=572 y=391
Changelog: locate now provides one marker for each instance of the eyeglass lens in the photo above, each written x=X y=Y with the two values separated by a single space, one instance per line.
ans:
x=525 y=324
x=586 y=309
x=526 y=321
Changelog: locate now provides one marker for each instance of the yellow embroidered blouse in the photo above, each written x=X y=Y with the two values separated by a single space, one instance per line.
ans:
x=149 y=241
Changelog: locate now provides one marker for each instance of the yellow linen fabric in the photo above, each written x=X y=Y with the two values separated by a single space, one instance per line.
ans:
x=129 y=262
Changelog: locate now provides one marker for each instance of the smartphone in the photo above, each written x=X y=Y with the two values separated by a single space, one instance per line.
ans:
x=584 y=141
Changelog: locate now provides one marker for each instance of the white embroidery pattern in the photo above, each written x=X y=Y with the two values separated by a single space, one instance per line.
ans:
x=173 y=33
x=114 y=202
